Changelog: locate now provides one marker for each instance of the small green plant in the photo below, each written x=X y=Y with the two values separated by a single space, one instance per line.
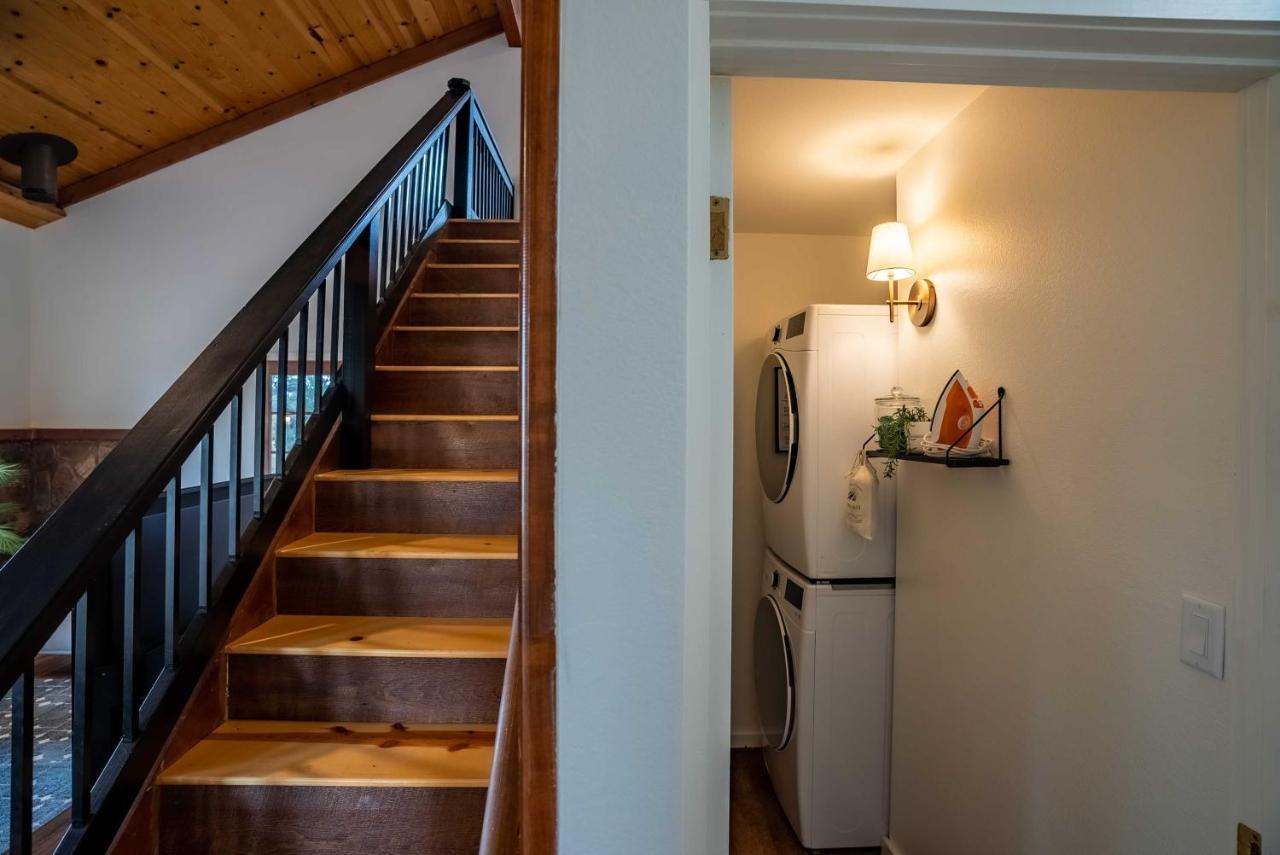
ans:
x=894 y=434
x=10 y=541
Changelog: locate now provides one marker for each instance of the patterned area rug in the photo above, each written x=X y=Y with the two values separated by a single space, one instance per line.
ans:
x=52 y=753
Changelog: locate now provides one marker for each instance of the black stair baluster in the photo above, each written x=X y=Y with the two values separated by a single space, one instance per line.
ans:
x=131 y=647
x=282 y=402
x=420 y=221
x=403 y=231
x=301 y=412
x=322 y=294
x=22 y=762
x=259 y=438
x=336 y=320
x=392 y=241
x=414 y=200
x=233 y=474
x=82 y=711
x=204 y=524
x=172 y=568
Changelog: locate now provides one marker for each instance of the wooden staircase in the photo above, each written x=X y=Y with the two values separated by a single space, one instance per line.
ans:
x=362 y=701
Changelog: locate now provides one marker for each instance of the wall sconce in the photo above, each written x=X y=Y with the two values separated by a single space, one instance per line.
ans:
x=890 y=260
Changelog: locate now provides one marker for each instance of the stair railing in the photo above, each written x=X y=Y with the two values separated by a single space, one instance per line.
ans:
x=482 y=177
x=151 y=555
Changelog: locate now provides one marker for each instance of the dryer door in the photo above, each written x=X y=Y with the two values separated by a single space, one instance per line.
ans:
x=777 y=427
x=775 y=675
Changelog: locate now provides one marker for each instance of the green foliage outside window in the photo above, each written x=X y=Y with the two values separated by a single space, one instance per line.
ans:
x=10 y=540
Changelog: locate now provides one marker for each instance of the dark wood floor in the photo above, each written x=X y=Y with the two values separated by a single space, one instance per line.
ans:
x=757 y=825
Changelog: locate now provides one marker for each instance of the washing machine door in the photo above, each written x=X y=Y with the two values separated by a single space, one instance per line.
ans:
x=777 y=427
x=775 y=675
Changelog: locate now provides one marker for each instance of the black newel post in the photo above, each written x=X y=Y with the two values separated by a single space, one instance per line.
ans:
x=463 y=139
x=359 y=334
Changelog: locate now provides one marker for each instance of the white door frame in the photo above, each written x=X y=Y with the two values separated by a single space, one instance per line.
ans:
x=778 y=38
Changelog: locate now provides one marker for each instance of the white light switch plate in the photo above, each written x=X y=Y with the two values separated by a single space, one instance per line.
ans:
x=1204 y=634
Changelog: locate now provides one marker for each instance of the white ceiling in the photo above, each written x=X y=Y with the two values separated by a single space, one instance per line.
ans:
x=822 y=156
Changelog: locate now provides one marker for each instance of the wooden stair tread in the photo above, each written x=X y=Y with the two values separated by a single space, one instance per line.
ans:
x=337 y=754
x=472 y=265
x=441 y=417
x=448 y=368
x=439 y=546
x=506 y=476
x=410 y=328
x=461 y=295
x=401 y=637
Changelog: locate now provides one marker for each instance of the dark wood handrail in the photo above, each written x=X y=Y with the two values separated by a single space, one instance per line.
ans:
x=500 y=834
x=41 y=583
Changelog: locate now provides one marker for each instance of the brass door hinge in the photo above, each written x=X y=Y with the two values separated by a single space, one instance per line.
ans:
x=1248 y=841
x=719 y=227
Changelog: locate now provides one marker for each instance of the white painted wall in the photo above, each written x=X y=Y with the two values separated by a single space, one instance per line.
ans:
x=641 y=759
x=134 y=283
x=1086 y=250
x=15 y=341
x=774 y=275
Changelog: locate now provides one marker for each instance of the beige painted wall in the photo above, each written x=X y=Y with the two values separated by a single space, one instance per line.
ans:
x=774 y=274
x=1085 y=247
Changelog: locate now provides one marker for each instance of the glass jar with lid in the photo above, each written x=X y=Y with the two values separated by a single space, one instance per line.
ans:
x=896 y=401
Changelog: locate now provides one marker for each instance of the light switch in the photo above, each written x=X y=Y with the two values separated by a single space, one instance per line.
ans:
x=1203 y=634
x=1197 y=640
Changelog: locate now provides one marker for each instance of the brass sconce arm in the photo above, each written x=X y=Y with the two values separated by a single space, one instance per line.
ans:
x=921 y=302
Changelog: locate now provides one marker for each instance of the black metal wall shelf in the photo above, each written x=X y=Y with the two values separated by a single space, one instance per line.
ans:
x=952 y=462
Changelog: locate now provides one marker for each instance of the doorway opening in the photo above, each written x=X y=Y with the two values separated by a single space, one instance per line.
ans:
x=1032 y=657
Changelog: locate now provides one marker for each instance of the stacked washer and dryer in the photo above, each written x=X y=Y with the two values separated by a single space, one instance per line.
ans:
x=824 y=623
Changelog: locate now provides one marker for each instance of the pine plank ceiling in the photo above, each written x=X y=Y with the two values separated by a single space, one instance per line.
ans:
x=139 y=84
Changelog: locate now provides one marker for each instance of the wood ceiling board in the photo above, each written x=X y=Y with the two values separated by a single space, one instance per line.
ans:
x=61 y=65
x=141 y=84
x=252 y=51
x=24 y=212
x=425 y=12
x=327 y=51
x=121 y=26
x=184 y=53
x=283 y=109
x=404 y=15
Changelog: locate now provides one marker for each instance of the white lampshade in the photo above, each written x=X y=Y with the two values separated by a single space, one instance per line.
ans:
x=890 y=255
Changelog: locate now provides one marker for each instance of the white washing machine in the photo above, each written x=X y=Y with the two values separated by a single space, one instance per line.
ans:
x=814 y=408
x=823 y=673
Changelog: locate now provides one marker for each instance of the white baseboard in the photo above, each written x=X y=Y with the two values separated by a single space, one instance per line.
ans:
x=887 y=847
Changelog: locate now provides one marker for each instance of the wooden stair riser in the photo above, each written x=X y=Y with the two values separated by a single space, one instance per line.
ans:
x=446 y=445
x=397 y=587
x=427 y=507
x=472 y=280
x=483 y=229
x=446 y=392
x=462 y=312
x=195 y=820
x=416 y=346
x=477 y=251
x=364 y=688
